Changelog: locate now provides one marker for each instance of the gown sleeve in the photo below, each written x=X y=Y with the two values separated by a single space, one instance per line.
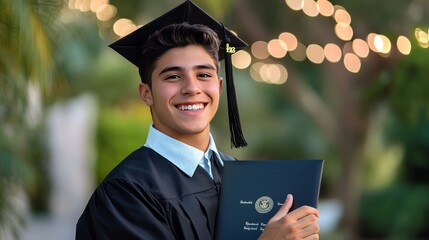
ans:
x=119 y=209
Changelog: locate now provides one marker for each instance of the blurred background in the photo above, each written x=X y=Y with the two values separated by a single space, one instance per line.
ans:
x=343 y=81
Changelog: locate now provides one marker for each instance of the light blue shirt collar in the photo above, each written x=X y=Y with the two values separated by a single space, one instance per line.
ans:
x=184 y=156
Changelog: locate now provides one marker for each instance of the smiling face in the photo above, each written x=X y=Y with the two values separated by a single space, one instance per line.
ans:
x=184 y=95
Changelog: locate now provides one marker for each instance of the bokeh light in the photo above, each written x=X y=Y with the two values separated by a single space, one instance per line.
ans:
x=332 y=52
x=295 y=5
x=310 y=8
x=287 y=43
x=342 y=16
x=404 y=45
x=241 y=59
x=95 y=4
x=260 y=50
x=290 y=40
x=315 y=53
x=277 y=48
x=325 y=8
x=299 y=54
x=273 y=73
x=360 y=48
x=347 y=47
x=123 y=27
x=255 y=70
x=422 y=37
x=370 y=41
x=105 y=12
x=382 y=44
x=84 y=5
x=343 y=31
x=269 y=73
x=352 y=62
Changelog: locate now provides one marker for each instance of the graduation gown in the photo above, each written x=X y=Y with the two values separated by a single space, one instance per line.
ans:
x=148 y=197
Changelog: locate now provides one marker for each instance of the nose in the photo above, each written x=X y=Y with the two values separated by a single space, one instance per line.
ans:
x=191 y=85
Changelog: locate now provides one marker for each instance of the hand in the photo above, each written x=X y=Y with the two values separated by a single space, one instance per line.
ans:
x=298 y=224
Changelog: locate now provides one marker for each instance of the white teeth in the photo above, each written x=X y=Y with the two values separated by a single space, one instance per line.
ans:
x=192 y=107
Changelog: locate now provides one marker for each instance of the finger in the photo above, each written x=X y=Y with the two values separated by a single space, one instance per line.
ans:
x=284 y=208
x=312 y=237
x=303 y=211
x=306 y=221
x=311 y=231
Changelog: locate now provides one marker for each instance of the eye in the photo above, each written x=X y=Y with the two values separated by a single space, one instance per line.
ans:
x=204 y=75
x=172 y=77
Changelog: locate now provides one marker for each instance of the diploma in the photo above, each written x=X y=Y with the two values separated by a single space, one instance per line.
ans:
x=253 y=191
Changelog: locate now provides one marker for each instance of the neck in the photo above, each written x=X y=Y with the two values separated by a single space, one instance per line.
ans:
x=198 y=140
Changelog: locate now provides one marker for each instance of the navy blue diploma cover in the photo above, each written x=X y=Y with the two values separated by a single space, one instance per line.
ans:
x=254 y=190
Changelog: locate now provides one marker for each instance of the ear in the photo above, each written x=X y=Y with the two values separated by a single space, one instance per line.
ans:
x=220 y=85
x=145 y=94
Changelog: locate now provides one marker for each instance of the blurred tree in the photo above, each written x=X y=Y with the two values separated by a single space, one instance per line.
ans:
x=407 y=126
x=28 y=30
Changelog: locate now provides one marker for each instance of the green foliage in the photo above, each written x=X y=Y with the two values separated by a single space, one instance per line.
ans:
x=28 y=29
x=403 y=84
x=397 y=212
x=415 y=139
x=112 y=81
x=120 y=131
x=10 y=170
x=37 y=184
x=400 y=210
x=15 y=173
x=378 y=15
x=409 y=88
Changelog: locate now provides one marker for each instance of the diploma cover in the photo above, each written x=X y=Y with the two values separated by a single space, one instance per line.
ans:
x=254 y=190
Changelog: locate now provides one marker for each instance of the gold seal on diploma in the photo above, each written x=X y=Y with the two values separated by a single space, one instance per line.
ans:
x=264 y=204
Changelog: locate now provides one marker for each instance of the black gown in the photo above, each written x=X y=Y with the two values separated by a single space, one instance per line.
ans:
x=148 y=197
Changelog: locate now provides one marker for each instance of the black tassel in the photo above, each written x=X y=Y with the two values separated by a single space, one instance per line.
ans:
x=237 y=138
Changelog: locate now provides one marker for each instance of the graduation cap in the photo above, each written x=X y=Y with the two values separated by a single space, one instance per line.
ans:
x=131 y=45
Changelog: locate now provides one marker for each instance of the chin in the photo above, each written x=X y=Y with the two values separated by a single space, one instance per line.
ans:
x=195 y=129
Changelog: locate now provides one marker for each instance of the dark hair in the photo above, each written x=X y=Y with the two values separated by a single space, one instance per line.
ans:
x=176 y=35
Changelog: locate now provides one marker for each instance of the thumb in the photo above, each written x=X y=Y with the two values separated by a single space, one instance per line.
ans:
x=284 y=208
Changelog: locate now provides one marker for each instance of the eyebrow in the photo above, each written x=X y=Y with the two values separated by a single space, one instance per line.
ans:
x=178 y=68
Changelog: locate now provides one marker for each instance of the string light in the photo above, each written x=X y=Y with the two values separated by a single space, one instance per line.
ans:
x=255 y=71
x=277 y=48
x=315 y=53
x=344 y=31
x=342 y=16
x=260 y=50
x=422 y=37
x=123 y=27
x=325 y=8
x=269 y=73
x=241 y=59
x=360 y=47
x=332 y=52
x=352 y=62
x=287 y=43
x=310 y=8
x=290 y=40
x=404 y=45
x=295 y=5
x=299 y=54
x=95 y=4
x=105 y=12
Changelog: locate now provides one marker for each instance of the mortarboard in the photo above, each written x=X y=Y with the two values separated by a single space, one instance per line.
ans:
x=131 y=45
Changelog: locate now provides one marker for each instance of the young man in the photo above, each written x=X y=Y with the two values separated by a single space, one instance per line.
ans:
x=169 y=188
